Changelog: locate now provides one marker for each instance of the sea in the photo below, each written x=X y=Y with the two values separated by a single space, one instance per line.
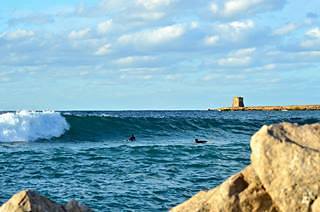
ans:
x=86 y=155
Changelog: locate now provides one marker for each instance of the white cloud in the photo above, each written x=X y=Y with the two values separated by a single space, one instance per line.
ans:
x=125 y=60
x=104 y=27
x=172 y=77
x=210 y=77
x=232 y=8
x=147 y=77
x=153 y=4
x=211 y=40
x=266 y=67
x=18 y=34
x=310 y=43
x=133 y=59
x=214 y=8
x=155 y=36
x=241 y=57
x=283 y=30
x=79 y=34
x=234 y=31
x=103 y=50
x=270 y=66
x=310 y=54
x=243 y=52
x=242 y=25
x=313 y=38
x=235 y=76
x=315 y=32
x=84 y=73
x=294 y=58
x=194 y=25
x=148 y=15
x=234 y=61
x=237 y=25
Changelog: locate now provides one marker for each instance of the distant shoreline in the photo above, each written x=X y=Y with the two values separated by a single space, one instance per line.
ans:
x=268 y=108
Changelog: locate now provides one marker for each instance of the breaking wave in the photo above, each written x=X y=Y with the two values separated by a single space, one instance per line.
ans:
x=31 y=125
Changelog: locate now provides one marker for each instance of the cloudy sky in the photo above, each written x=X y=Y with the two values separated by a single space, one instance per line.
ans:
x=158 y=54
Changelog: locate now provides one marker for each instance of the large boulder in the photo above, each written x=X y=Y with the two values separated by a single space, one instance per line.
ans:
x=241 y=192
x=286 y=158
x=283 y=175
x=27 y=201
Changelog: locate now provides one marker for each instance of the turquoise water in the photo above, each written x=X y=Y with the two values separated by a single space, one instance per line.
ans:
x=93 y=162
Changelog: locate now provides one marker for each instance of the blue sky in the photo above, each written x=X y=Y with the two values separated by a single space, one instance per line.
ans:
x=158 y=54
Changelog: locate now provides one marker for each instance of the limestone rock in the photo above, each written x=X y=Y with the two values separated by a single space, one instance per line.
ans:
x=286 y=158
x=241 y=192
x=27 y=201
x=30 y=201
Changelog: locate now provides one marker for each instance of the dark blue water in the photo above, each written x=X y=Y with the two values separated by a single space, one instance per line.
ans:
x=93 y=162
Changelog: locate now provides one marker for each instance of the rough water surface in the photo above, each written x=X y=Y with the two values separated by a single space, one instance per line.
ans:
x=86 y=155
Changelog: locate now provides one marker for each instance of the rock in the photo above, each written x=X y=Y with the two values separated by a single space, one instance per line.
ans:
x=283 y=175
x=74 y=206
x=27 y=201
x=286 y=158
x=30 y=201
x=241 y=192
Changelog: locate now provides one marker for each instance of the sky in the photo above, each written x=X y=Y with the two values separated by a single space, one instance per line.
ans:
x=158 y=54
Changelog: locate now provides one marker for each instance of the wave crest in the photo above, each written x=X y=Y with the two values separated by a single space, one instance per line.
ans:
x=31 y=125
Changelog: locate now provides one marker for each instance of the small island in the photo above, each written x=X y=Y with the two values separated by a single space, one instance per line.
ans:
x=238 y=105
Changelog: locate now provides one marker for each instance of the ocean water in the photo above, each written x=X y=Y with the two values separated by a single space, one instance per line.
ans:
x=86 y=155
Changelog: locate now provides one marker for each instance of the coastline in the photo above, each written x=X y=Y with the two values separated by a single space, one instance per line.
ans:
x=268 y=108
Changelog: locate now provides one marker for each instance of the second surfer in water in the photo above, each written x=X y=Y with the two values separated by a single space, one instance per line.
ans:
x=132 y=138
x=200 y=141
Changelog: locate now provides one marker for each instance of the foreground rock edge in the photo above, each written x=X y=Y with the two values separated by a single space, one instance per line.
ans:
x=28 y=200
x=283 y=175
x=240 y=192
x=286 y=158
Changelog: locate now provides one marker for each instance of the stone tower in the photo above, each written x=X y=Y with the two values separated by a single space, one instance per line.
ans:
x=237 y=102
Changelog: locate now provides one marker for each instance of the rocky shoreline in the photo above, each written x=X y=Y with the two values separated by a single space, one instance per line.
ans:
x=283 y=175
x=31 y=201
x=269 y=108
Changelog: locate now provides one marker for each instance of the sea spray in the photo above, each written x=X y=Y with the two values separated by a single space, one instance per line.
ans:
x=31 y=125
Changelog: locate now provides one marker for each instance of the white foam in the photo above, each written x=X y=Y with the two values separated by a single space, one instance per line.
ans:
x=31 y=125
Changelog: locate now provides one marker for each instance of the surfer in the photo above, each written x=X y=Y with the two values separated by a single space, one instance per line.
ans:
x=132 y=138
x=197 y=141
